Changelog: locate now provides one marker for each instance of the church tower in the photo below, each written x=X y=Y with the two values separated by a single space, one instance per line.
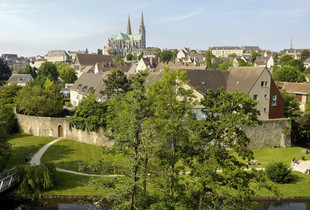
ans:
x=128 y=27
x=142 y=32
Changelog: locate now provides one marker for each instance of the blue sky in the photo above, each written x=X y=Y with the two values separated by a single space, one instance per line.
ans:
x=33 y=27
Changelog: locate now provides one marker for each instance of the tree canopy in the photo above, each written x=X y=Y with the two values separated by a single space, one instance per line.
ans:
x=116 y=83
x=5 y=71
x=49 y=70
x=129 y=57
x=291 y=105
x=254 y=55
x=29 y=70
x=288 y=74
x=304 y=55
x=99 y=51
x=66 y=73
x=285 y=59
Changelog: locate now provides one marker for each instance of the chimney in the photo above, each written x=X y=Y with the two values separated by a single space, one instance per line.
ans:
x=151 y=62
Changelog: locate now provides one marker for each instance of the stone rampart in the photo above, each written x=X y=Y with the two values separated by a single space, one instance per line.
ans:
x=56 y=127
x=271 y=133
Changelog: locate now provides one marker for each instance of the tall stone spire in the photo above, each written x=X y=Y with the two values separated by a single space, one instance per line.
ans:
x=128 y=27
x=142 y=32
x=291 y=42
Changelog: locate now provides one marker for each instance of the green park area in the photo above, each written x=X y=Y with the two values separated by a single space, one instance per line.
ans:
x=66 y=153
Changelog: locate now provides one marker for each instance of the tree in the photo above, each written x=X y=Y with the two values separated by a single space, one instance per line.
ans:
x=166 y=56
x=129 y=57
x=7 y=122
x=99 y=51
x=126 y=120
x=174 y=55
x=291 y=105
x=66 y=73
x=216 y=146
x=118 y=58
x=5 y=71
x=243 y=63
x=49 y=70
x=288 y=74
x=225 y=66
x=29 y=70
x=254 y=55
x=38 y=101
x=208 y=59
x=171 y=103
x=8 y=93
x=304 y=55
x=278 y=172
x=298 y=64
x=140 y=56
x=89 y=115
x=233 y=55
x=116 y=83
x=285 y=59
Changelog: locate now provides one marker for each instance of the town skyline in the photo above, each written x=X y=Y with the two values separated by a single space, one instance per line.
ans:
x=33 y=28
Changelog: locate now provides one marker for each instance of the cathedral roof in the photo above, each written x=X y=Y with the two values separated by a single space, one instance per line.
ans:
x=122 y=36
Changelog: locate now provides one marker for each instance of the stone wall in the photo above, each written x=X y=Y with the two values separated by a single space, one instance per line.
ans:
x=51 y=126
x=272 y=133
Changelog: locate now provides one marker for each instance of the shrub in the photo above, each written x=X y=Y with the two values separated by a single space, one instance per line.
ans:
x=34 y=179
x=278 y=172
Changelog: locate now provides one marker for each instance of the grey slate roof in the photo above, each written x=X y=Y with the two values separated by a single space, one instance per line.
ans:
x=89 y=83
x=21 y=78
x=91 y=59
x=57 y=53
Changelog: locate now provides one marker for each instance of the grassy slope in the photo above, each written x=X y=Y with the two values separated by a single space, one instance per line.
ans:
x=22 y=145
x=66 y=153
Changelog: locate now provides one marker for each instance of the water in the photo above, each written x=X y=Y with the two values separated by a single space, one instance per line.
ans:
x=81 y=205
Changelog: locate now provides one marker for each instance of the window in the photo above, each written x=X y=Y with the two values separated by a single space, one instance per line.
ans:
x=274 y=100
x=254 y=97
x=265 y=96
x=263 y=83
x=265 y=110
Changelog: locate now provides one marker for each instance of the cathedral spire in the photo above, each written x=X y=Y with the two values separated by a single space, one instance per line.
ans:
x=128 y=27
x=142 y=32
x=142 y=21
x=291 y=42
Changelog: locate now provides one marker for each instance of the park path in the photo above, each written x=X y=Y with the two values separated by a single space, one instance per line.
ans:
x=35 y=160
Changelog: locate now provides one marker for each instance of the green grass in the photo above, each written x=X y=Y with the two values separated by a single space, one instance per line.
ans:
x=285 y=155
x=71 y=184
x=65 y=153
x=22 y=145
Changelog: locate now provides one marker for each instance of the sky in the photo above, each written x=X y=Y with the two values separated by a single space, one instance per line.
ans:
x=33 y=27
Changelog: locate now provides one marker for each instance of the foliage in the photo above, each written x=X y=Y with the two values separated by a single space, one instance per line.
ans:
x=285 y=59
x=214 y=144
x=118 y=58
x=8 y=93
x=99 y=51
x=116 y=83
x=298 y=64
x=254 y=55
x=233 y=55
x=288 y=74
x=140 y=56
x=208 y=59
x=278 y=172
x=29 y=70
x=5 y=71
x=304 y=55
x=67 y=73
x=225 y=66
x=166 y=56
x=243 y=63
x=35 y=179
x=39 y=80
x=89 y=115
x=291 y=105
x=38 y=101
x=49 y=70
x=129 y=57
x=7 y=121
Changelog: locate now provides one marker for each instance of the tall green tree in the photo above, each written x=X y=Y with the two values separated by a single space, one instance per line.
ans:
x=116 y=83
x=208 y=59
x=49 y=70
x=5 y=71
x=66 y=73
x=171 y=103
x=288 y=74
x=285 y=59
x=126 y=120
x=254 y=55
x=129 y=57
x=118 y=58
x=29 y=70
x=166 y=56
x=304 y=55
x=298 y=64
x=89 y=115
x=216 y=146
x=291 y=105
x=99 y=51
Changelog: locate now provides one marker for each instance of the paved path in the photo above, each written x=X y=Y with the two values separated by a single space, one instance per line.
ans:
x=300 y=165
x=35 y=160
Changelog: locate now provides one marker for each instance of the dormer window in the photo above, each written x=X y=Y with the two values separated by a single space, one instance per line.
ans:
x=84 y=89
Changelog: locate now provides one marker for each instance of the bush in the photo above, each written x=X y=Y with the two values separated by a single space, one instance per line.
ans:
x=278 y=172
x=34 y=179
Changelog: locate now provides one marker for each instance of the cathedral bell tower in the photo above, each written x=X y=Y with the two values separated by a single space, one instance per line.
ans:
x=142 y=32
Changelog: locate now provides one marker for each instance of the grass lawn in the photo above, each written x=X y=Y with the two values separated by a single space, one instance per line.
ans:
x=22 y=145
x=70 y=184
x=285 y=155
x=65 y=153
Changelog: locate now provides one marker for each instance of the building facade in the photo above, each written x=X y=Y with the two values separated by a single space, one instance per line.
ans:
x=122 y=44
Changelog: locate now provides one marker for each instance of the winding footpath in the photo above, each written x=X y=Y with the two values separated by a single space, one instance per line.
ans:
x=299 y=165
x=35 y=160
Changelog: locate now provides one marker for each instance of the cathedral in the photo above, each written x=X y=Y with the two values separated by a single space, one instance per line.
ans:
x=122 y=44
